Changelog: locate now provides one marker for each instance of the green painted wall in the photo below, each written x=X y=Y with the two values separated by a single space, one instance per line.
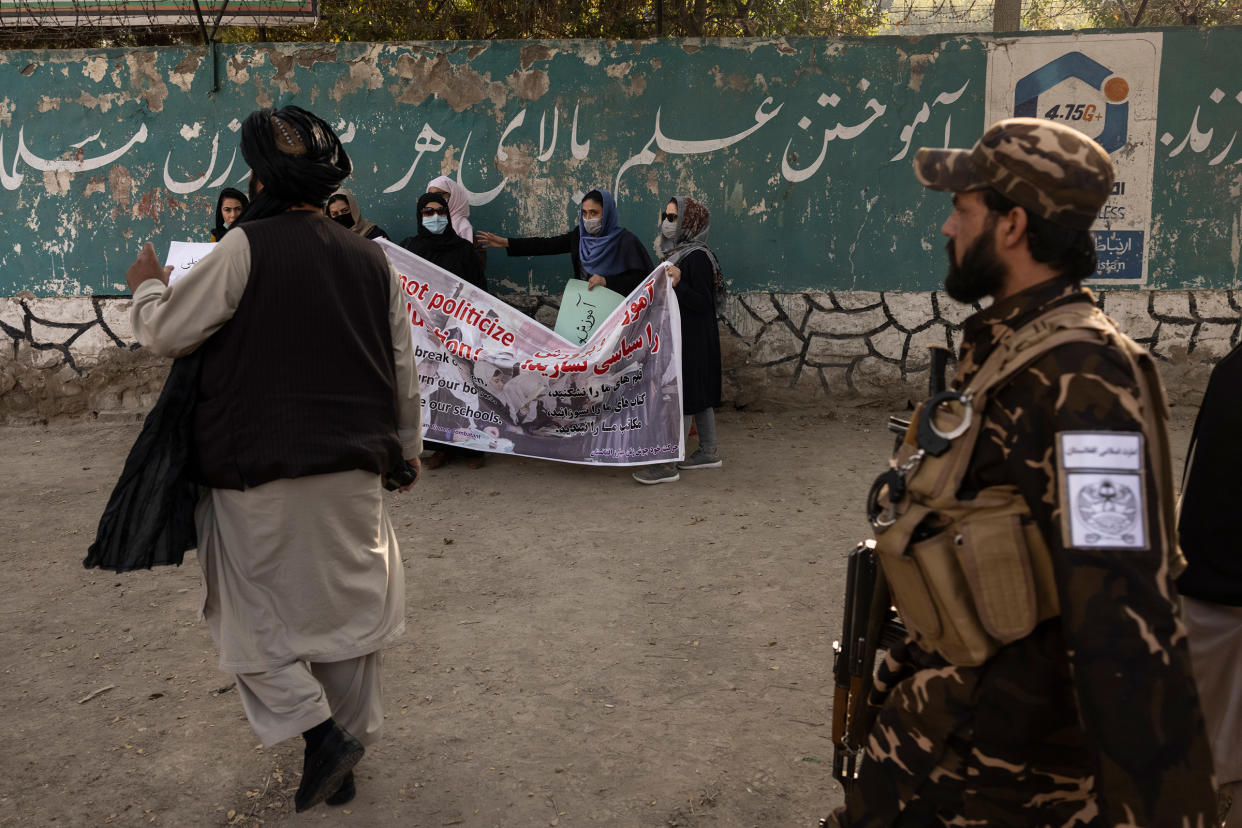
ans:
x=799 y=148
x=1196 y=206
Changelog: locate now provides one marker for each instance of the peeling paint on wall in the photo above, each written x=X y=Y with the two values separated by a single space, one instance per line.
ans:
x=536 y=52
x=183 y=73
x=95 y=68
x=145 y=78
x=459 y=86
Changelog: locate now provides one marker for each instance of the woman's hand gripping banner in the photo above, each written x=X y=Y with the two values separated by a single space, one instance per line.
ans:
x=496 y=380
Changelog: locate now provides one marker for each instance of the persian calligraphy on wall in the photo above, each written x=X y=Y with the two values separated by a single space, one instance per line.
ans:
x=801 y=148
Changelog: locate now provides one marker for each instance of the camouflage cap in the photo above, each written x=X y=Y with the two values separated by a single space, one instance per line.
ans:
x=1050 y=169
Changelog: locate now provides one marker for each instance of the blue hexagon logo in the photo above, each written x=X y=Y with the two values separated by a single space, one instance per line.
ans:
x=1070 y=108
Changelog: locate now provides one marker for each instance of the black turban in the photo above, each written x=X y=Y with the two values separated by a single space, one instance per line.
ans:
x=296 y=155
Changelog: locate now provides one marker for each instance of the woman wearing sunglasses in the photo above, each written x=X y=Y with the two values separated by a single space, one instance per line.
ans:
x=603 y=252
x=438 y=243
x=682 y=242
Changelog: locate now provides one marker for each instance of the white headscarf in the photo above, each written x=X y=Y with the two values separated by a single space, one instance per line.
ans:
x=458 y=204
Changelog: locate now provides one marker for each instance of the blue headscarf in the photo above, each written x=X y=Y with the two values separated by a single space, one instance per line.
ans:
x=615 y=250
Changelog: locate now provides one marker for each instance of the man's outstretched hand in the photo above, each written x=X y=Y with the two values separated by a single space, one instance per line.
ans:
x=145 y=267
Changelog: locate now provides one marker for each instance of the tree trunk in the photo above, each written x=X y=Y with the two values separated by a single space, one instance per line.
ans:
x=1007 y=16
x=700 y=17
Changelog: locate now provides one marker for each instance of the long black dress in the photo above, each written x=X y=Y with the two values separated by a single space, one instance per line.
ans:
x=1208 y=525
x=456 y=255
x=700 y=337
x=449 y=251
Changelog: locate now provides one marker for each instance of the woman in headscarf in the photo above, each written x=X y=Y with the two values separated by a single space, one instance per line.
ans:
x=458 y=205
x=437 y=242
x=682 y=242
x=603 y=252
x=229 y=207
x=459 y=211
x=344 y=210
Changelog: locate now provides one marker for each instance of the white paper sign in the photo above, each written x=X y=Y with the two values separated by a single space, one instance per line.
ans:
x=182 y=256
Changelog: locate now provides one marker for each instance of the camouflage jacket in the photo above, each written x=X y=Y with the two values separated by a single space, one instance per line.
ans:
x=1092 y=719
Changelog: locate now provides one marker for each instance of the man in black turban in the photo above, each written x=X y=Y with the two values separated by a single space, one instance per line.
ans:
x=294 y=157
x=307 y=398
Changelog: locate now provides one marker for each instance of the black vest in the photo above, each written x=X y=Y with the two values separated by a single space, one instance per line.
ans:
x=301 y=380
x=1209 y=519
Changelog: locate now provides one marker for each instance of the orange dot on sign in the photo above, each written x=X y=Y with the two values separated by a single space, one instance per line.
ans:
x=1116 y=89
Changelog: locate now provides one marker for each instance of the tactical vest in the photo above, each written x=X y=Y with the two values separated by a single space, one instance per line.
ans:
x=969 y=576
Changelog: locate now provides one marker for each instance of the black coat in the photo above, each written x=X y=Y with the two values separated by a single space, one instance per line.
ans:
x=700 y=337
x=622 y=282
x=446 y=249
x=149 y=519
x=1208 y=524
x=454 y=254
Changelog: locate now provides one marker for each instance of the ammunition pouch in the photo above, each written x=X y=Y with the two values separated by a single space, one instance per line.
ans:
x=982 y=579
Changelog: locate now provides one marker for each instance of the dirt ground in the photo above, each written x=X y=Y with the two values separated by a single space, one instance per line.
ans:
x=581 y=650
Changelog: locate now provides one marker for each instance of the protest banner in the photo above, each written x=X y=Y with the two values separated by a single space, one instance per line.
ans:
x=496 y=380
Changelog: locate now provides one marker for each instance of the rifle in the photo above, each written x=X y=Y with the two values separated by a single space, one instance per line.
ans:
x=869 y=624
x=939 y=356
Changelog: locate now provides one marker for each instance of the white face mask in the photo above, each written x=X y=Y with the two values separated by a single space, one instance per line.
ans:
x=593 y=225
x=668 y=229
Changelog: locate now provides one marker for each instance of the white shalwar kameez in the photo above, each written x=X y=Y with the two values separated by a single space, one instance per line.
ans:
x=304 y=583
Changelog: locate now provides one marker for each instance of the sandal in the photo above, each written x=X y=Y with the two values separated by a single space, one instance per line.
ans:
x=437 y=459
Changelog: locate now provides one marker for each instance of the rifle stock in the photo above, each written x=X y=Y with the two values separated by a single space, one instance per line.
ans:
x=869 y=624
x=939 y=361
x=866 y=623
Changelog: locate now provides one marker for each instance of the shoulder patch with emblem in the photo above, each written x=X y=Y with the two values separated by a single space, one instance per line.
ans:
x=1103 y=496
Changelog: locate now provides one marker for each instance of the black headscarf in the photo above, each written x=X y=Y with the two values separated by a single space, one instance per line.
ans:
x=447 y=250
x=220 y=229
x=296 y=156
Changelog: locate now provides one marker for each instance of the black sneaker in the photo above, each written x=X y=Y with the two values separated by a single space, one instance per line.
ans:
x=324 y=771
x=345 y=793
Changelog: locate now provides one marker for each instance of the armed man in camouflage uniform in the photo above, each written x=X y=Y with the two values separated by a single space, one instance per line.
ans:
x=1089 y=717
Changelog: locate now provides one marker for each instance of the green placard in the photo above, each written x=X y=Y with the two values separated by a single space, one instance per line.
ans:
x=582 y=310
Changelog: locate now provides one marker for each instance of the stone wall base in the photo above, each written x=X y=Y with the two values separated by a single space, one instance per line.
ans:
x=75 y=356
x=862 y=345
